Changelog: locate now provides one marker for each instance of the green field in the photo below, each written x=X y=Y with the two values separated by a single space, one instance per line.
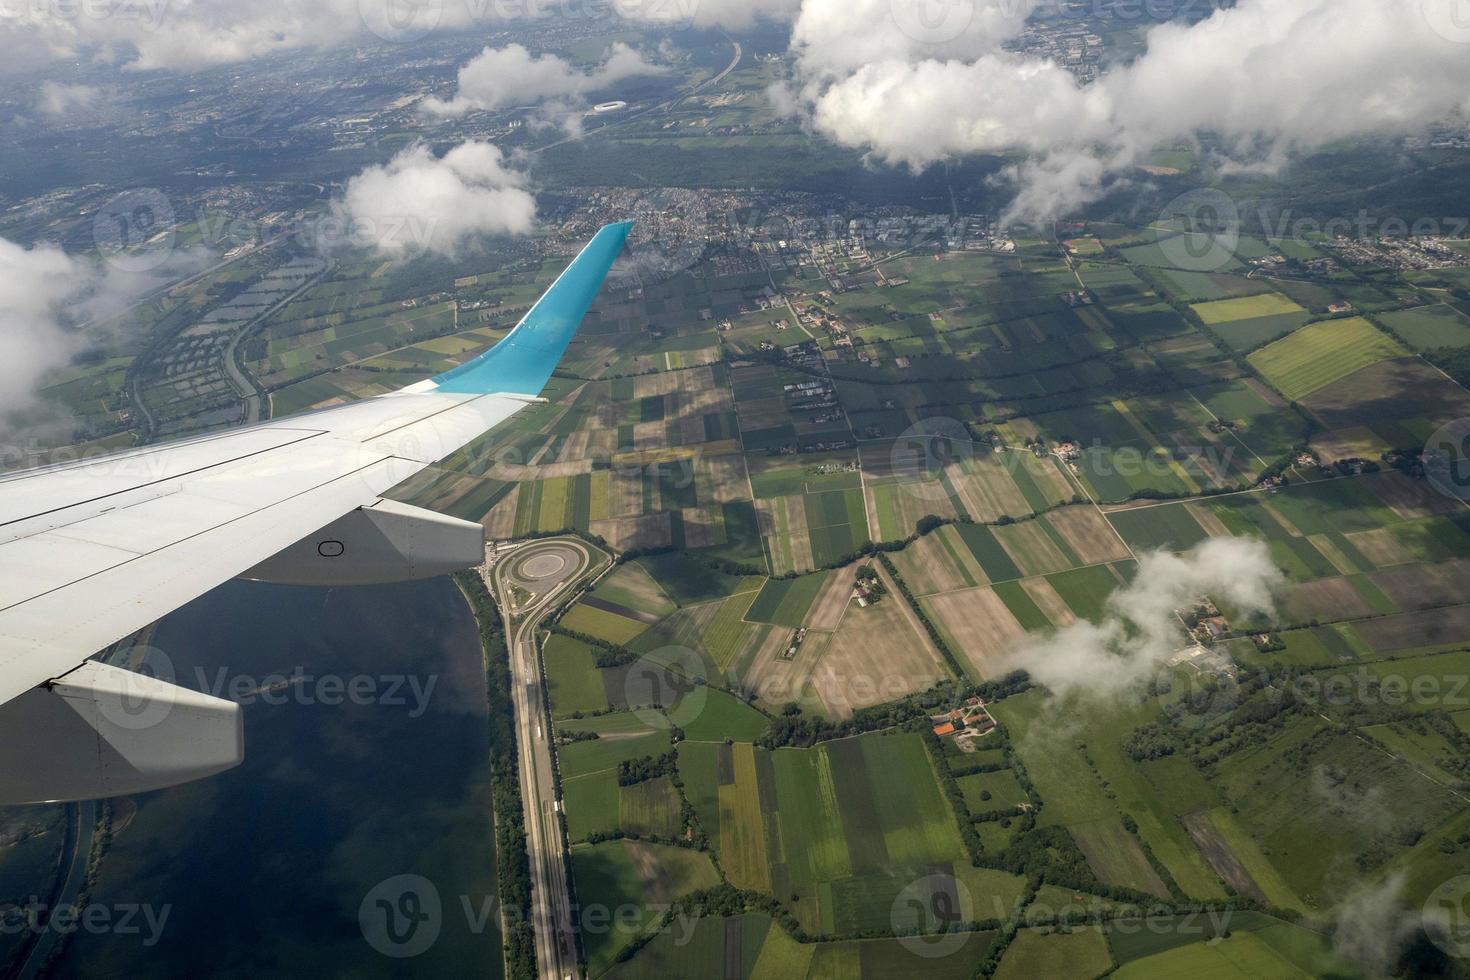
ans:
x=1431 y=327
x=988 y=551
x=1086 y=590
x=718 y=716
x=838 y=831
x=837 y=524
x=630 y=585
x=1083 y=952
x=1244 y=955
x=1167 y=528
x=619 y=876
x=1245 y=308
x=1321 y=353
x=603 y=624
x=575 y=683
x=752 y=947
x=785 y=602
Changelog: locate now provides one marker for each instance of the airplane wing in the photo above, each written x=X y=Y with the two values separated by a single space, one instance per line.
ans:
x=93 y=551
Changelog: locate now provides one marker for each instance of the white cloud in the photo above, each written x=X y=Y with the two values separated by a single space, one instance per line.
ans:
x=188 y=34
x=1373 y=928
x=59 y=101
x=36 y=285
x=729 y=14
x=418 y=202
x=498 y=78
x=835 y=36
x=47 y=297
x=1266 y=77
x=179 y=34
x=1117 y=656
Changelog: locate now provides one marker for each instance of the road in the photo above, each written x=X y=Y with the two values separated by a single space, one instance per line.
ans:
x=82 y=825
x=252 y=396
x=548 y=571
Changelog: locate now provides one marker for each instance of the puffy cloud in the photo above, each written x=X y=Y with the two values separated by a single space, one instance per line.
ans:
x=508 y=76
x=729 y=14
x=1373 y=928
x=1265 y=77
x=47 y=297
x=1140 y=630
x=178 y=33
x=922 y=113
x=58 y=100
x=835 y=36
x=187 y=34
x=418 y=202
x=36 y=285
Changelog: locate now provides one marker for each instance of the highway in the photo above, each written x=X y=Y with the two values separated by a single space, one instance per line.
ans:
x=549 y=571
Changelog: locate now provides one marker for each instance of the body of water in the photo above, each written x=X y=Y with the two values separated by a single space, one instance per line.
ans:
x=366 y=759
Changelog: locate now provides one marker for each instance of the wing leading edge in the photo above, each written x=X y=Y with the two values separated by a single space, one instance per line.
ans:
x=522 y=363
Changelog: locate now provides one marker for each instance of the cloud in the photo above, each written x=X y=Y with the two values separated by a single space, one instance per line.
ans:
x=1265 y=78
x=178 y=34
x=189 y=34
x=1140 y=631
x=732 y=15
x=1373 y=928
x=498 y=78
x=831 y=37
x=58 y=100
x=36 y=286
x=418 y=202
x=48 y=296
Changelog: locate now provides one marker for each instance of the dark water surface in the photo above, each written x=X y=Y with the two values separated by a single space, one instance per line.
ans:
x=262 y=871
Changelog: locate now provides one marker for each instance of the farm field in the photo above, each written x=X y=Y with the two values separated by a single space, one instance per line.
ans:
x=755 y=947
x=1319 y=354
x=707 y=461
x=1431 y=327
x=1245 y=308
x=857 y=819
x=862 y=365
x=786 y=602
x=1083 y=952
x=628 y=874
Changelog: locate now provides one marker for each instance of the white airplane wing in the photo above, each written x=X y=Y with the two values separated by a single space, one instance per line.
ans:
x=93 y=551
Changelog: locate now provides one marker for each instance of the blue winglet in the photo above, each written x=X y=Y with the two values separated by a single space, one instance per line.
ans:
x=522 y=363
